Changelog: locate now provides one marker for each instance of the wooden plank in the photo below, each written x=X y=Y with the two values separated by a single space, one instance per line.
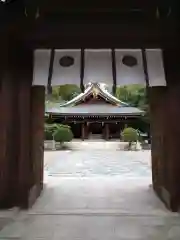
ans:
x=24 y=82
x=8 y=121
x=37 y=140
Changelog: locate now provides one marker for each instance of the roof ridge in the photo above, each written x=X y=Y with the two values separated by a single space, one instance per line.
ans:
x=78 y=97
x=115 y=99
x=104 y=93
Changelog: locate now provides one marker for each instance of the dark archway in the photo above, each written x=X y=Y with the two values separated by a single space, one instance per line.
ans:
x=22 y=106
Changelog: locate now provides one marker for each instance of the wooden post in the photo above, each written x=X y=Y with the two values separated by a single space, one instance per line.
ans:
x=24 y=123
x=23 y=133
x=83 y=131
x=82 y=71
x=37 y=141
x=87 y=130
x=171 y=162
x=113 y=71
x=4 y=109
x=165 y=144
x=17 y=159
x=107 y=131
x=164 y=105
x=157 y=107
x=8 y=126
x=7 y=142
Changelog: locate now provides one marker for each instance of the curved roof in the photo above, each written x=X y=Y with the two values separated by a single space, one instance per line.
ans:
x=73 y=107
x=100 y=110
x=89 y=90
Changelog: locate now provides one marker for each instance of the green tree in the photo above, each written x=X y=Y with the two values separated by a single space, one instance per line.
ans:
x=130 y=135
x=51 y=127
x=135 y=95
x=64 y=92
x=55 y=93
x=48 y=134
x=49 y=130
x=63 y=134
x=69 y=91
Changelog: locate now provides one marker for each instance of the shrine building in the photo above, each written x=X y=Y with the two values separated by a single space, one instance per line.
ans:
x=94 y=113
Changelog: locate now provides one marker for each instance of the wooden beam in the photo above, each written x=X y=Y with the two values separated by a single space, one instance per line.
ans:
x=82 y=71
x=49 y=87
x=113 y=56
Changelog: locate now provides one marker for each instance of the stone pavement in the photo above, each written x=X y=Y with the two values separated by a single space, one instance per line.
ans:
x=98 y=162
x=95 y=194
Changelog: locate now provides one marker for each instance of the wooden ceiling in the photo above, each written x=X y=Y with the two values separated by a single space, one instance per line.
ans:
x=141 y=8
x=94 y=24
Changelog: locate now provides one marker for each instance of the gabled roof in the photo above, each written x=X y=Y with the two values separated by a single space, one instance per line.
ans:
x=92 y=110
x=91 y=89
x=73 y=107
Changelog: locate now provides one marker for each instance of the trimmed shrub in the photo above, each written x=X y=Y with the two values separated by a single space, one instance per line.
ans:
x=51 y=129
x=129 y=135
x=48 y=135
x=63 y=134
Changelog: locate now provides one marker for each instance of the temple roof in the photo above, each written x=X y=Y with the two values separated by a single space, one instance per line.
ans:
x=94 y=88
x=78 y=106
x=101 y=110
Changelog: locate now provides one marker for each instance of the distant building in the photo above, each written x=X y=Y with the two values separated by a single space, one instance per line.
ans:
x=95 y=113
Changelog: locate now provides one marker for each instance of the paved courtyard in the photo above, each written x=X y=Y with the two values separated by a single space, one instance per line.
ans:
x=96 y=160
x=96 y=192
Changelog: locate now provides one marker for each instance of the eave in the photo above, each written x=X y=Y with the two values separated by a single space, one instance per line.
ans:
x=101 y=92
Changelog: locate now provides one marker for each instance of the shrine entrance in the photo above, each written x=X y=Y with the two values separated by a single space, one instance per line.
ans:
x=95 y=130
x=22 y=105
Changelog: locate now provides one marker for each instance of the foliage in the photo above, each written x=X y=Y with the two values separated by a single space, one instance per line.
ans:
x=64 y=92
x=55 y=93
x=63 y=134
x=48 y=134
x=130 y=135
x=51 y=129
x=134 y=94
x=69 y=91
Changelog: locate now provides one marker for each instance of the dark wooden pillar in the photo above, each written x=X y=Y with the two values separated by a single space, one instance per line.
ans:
x=22 y=133
x=172 y=147
x=172 y=143
x=24 y=173
x=16 y=104
x=87 y=130
x=30 y=136
x=158 y=109
x=37 y=140
x=3 y=125
x=106 y=131
x=83 y=131
x=8 y=125
x=165 y=130
x=113 y=71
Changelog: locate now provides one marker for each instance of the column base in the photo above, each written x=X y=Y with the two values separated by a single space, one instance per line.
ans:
x=171 y=203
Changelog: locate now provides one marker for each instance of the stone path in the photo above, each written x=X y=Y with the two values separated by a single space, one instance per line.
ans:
x=95 y=194
x=98 y=163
